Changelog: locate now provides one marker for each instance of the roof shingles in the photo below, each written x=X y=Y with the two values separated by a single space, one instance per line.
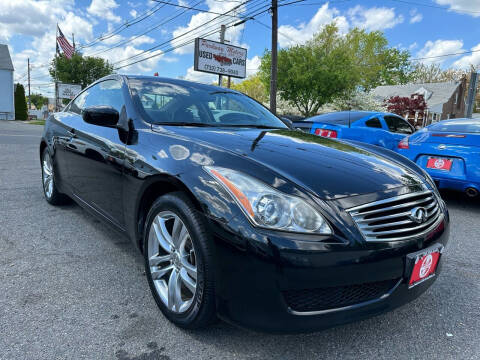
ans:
x=5 y=59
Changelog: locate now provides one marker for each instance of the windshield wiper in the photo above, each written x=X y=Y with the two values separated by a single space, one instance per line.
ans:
x=253 y=126
x=172 y=123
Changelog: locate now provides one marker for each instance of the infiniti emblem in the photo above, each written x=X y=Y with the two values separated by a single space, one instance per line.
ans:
x=418 y=215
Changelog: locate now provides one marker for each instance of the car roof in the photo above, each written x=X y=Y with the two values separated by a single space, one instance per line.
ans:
x=180 y=82
x=344 y=117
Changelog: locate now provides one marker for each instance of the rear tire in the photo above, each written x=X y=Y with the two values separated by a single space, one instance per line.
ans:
x=179 y=262
x=52 y=195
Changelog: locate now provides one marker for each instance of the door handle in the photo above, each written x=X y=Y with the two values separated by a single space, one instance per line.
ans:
x=71 y=133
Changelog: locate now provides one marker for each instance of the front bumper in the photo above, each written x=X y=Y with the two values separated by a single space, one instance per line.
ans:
x=255 y=282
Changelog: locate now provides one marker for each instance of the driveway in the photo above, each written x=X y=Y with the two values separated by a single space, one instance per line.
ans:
x=72 y=288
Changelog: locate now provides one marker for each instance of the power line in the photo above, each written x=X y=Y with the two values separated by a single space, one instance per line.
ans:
x=190 y=41
x=164 y=21
x=197 y=9
x=182 y=35
x=436 y=7
x=446 y=55
x=124 y=26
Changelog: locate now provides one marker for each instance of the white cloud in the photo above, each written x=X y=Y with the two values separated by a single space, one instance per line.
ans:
x=413 y=46
x=199 y=76
x=415 y=16
x=470 y=7
x=374 y=18
x=438 y=48
x=104 y=10
x=232 y=34
x=253 y=65
x=289 y=35
x=28 y=17
x=467 y=60
x=133 y=13
x=144 y=39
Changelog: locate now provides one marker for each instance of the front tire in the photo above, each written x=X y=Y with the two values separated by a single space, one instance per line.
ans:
x=52 y=195
x=179 y=261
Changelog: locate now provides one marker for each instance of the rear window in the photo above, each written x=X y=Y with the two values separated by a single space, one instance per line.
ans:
x=460 y=126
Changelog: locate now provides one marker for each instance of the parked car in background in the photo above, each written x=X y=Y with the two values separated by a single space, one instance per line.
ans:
x=377 y=128
x=450 y=152
x=238 y=215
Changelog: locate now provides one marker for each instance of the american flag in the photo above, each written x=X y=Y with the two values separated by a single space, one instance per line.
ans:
x=68 y=49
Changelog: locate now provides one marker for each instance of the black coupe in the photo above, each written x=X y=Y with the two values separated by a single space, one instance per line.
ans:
x=238 y=215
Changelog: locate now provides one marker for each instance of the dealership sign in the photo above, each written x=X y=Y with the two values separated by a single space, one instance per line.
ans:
x=68 y=91
x=217 y=58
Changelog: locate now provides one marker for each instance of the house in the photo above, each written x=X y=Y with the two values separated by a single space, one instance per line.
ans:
x=7 y=105
x=445 y=100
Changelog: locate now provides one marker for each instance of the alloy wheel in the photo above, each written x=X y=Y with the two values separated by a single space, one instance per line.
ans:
x=172 y=261
x=47 y=175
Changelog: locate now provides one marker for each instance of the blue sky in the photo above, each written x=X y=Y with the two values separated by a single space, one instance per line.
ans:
x=424 y=27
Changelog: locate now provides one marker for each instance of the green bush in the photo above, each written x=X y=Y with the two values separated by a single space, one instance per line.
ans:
x=20 y=103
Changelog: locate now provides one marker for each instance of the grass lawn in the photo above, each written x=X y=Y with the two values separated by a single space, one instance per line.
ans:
x=36 y=122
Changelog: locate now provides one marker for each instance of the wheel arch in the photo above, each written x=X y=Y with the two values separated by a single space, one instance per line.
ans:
x=43 y=145
x=156 y=186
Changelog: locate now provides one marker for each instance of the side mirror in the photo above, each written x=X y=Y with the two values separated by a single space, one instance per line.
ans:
x=101 y=115
x=287 y=122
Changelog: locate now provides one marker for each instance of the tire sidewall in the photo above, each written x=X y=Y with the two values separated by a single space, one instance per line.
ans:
x=184 y=210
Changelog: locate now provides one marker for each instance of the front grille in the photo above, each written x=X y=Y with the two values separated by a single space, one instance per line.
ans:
x=393 y=219
x=328 y=298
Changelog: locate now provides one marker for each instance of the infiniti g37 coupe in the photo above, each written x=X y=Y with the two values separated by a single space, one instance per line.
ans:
x=239 y=216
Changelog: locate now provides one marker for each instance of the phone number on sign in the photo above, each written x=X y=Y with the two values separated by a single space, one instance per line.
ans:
x=219 y=69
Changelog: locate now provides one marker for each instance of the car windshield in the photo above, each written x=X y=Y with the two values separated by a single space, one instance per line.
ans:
x=461 y=126
x=170 y=103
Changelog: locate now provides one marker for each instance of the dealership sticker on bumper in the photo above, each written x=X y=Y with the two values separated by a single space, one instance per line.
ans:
x=423 y=264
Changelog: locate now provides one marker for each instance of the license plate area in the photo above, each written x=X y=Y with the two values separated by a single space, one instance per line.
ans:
x=439 y=163
x=422 y=265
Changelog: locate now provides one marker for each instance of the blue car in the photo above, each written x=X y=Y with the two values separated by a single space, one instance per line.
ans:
x=377 y=128
x=450 y=152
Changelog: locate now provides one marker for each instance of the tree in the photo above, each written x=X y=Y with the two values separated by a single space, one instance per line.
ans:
x=423 y=73
x=82 y=70
x=20 y=103
x=358 y=100
x=332 y=66
x=38 y=100
x=405 y=106
x=375 y=62
x=253 y=87
x=313 y=74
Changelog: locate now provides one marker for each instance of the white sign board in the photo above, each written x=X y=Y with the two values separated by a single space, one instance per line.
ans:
x=68 y=91
x=217 y=58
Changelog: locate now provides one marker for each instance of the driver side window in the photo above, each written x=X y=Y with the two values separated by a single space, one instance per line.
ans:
x=108 y=93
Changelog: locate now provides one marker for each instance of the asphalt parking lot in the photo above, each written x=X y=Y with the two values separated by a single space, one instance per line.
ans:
x=72 y=288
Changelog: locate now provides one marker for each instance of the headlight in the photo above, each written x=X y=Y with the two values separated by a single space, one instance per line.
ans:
x=267 y=207
x=430 y=181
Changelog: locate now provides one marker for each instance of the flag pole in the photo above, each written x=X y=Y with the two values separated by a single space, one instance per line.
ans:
x=55 y=64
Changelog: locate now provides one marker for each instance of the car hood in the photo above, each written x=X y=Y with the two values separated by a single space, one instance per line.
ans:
x=329 y=168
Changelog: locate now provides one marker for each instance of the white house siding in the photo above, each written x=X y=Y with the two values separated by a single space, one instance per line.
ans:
x=7 y=107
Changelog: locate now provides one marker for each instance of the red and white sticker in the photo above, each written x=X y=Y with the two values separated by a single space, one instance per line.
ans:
x=424 y=268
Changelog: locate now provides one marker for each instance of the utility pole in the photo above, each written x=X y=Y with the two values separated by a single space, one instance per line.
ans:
x=222 y=40
x=472 y=90
x=28 y=71
x=273 y=76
